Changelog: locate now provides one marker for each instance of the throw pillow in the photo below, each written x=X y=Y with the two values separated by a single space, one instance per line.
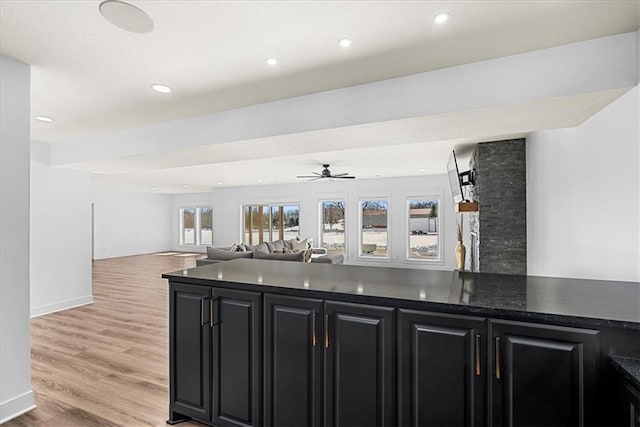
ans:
x=307 y=255
x=225 y=255
x=278 y=246
x=298 y=256
x=300 y=245
x=238 y=247
x=262 y=247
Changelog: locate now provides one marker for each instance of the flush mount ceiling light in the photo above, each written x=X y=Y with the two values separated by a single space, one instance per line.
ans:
x=126 y=16
x=161 y=88
x=441 y=18
x=271 y=61
x=344 y=42
x=44 y=119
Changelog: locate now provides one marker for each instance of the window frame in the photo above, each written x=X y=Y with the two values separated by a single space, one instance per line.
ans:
x=269 y=205
x=197 y=229
x=407 y=248
x=360 y=255
x=321 y=203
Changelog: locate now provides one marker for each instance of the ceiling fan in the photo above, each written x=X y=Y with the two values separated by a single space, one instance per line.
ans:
x=326 y=173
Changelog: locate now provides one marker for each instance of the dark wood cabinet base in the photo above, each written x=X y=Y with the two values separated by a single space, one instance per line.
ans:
x=245 y=354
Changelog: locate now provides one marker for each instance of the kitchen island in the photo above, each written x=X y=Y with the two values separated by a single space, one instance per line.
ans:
x=257 y=342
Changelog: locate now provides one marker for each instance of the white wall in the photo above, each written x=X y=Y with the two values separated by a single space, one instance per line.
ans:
x=16 y=396
x=60 y=253
x=127 y=223
x=583 y=196
x=227 y=204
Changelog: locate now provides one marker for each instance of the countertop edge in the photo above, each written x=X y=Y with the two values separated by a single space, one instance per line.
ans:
x=629 y=367
x=448 y=307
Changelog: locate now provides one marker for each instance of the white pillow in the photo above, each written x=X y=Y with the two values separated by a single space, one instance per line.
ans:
x=299 y=245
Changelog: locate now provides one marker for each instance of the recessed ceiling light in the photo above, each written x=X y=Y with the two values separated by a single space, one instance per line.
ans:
x=441 y=18
x=219 y=183
x=271 y=61
x=126 y=16
x=420 y=170
x=259 y=180
x=185 y=186
x=161 y=88
x=154 y=188
x=44 y=119
x=344 y=42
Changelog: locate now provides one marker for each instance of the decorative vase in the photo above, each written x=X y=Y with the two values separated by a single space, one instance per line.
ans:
x=461 y=252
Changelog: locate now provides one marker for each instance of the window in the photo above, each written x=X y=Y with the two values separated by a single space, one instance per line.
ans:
x=269 y=222
x=374 y=219
x=196 y=226
x=332 y=231
x=188 y=226
x=206 y=226
x=423 y=229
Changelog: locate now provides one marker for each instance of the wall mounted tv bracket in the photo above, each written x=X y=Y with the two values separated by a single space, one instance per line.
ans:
x=467 y=178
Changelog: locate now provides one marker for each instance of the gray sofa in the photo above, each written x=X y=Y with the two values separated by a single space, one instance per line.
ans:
x=280 y=250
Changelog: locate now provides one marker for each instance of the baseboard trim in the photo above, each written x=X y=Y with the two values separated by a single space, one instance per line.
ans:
x=12 y=408
x=62 y=305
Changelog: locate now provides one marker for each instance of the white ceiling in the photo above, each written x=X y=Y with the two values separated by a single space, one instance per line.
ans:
x=94 y=78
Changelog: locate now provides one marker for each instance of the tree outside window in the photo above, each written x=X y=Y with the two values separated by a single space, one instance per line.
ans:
x=196 y=226
x=333 y=226
x=269 y=222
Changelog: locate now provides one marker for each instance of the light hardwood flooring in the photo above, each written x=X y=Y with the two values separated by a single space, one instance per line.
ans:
x=106 y=363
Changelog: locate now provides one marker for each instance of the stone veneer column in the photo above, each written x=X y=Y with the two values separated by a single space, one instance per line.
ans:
x=501 y=191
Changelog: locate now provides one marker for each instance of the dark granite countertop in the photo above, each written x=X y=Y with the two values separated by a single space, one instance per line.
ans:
x=630 y=369
x=570 y=301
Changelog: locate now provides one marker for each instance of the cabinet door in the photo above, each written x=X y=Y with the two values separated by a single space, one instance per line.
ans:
x=293 y=361
x=359 y=355
x=190 y=355
x=441 y=369
x=237 y=349
x=542 y=375
x=631 y=406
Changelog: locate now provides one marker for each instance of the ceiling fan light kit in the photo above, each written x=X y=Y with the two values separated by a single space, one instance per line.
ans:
x=326 y=174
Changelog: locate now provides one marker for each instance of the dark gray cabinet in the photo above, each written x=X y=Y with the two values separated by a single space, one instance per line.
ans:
x=441 y=363
x=328 y=363
x=215 y=338
x=541 y=375
x=236 y=357
x=630 y=406
x=360 y=365
x=293 y=361
x=242 y=358
x=189 y=352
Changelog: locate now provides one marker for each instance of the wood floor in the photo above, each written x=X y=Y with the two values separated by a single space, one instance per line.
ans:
x=105 y=364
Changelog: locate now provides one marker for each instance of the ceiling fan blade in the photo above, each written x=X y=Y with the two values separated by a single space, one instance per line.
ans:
x=344 y=177
x=338 y=175
x=314 y=179
x=307 y=176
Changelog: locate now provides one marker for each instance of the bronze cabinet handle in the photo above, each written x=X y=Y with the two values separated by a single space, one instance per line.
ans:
x=314 y=338
x=478 y=354
x=201 y=311
x=497 y=358
x=211 y=313
x=326 y=331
